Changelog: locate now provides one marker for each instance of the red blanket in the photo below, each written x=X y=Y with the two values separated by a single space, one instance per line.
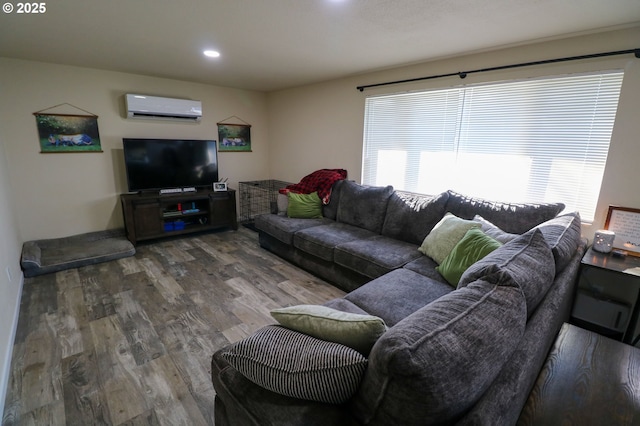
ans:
x=321 y=181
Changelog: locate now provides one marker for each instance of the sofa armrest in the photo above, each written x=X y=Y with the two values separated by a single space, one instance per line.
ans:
x=241 y=402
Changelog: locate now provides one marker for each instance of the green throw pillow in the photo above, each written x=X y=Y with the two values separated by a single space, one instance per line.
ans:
x=304 y=206
x=356 y=331
x=444 y=236
x=472 y=247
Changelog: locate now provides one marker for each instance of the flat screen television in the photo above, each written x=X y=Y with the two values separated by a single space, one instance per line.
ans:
x=155 y=164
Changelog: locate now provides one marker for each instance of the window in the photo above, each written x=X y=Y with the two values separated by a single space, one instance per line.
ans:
x=542 y=140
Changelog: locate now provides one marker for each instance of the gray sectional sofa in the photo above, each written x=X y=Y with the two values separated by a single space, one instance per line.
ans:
x=466 y=352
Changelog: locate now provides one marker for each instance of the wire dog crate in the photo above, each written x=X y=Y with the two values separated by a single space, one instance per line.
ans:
x=257 y=197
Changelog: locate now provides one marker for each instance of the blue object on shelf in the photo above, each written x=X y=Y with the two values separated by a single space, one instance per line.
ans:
x=168 y=226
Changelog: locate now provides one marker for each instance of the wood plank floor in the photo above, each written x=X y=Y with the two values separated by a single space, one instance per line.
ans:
x=129 y=342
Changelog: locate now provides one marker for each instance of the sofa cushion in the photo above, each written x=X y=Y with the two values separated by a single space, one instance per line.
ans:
x=511 y=217
x=321 y=241
x=444 y=236
x=342 y=304
x=410 y=217
x=397 y=294
x=304 y=206
x=493 y=231
x=526 y=262
x=375 y=256
x=298 y=365
x=431 y=367
x=427 y=267
x=363 y=206
x=283 y=228
x=356 y=331
x=472 y=247
x=563 y=234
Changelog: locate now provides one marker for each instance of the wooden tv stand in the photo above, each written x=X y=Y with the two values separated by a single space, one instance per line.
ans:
x=152 y=215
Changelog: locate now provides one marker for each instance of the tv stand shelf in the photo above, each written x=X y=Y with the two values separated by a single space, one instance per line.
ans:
x=152 y=215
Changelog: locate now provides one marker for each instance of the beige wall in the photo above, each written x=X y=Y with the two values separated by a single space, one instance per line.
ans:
x=320 y=126
x=55 y=195
x=64 y=194
x=10 y=289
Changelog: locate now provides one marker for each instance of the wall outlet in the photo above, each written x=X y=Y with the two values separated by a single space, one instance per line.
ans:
x=9 y=273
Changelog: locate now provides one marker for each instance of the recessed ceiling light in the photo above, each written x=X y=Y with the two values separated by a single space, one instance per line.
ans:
x=211 y=53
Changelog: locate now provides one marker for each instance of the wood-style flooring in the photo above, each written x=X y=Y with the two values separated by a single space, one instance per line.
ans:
x=129 y=342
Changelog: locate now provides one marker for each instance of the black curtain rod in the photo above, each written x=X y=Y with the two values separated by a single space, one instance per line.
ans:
x=463 y=74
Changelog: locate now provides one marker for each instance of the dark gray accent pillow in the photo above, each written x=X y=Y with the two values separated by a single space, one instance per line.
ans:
x=563 y=234
x=410 y=217
x=297 y=365
x=431 y=367
x=363 y=206
x=510 y=217
x=526 y=262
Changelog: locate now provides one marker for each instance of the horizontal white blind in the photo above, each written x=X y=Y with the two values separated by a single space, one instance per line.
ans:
x=543 y=140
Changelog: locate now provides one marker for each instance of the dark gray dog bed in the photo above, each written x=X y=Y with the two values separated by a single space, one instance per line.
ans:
x=57 y=254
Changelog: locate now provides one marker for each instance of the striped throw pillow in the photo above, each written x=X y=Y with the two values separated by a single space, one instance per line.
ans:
x=297 y=365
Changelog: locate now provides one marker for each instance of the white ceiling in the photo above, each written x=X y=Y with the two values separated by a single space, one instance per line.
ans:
x=274 y=44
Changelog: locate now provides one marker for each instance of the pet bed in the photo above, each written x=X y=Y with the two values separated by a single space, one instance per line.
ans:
x=57 y=254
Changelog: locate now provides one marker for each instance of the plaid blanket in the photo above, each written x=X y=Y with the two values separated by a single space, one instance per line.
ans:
x=319 y=181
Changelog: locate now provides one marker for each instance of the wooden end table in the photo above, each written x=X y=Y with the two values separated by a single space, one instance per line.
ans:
x=588 y=379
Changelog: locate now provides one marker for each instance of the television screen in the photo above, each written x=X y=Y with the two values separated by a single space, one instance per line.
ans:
x=154 y=164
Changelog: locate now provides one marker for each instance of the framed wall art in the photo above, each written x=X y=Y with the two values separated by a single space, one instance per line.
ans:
x=61 y=133
x=234 y=137
x=625 y=223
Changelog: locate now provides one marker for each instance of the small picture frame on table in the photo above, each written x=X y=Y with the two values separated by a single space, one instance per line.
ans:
x=625 y=222
x=219 y=186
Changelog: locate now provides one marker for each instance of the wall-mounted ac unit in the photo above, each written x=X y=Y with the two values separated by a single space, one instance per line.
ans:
x=158 y=108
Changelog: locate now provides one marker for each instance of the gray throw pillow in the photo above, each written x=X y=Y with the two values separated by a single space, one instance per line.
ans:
x=563 y=234
x=297 y=365
x=363 y=206
x=410 y=217
x=526 y=262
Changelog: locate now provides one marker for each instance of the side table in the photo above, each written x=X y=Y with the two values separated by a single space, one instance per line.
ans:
x=608 y=295
x=587 y=379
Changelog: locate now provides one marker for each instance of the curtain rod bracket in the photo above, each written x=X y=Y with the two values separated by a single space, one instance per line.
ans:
x=462 y=74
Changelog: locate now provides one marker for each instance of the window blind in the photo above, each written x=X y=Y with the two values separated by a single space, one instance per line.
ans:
x=542 y=140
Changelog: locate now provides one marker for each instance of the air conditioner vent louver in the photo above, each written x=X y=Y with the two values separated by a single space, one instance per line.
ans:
x=158 y=108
